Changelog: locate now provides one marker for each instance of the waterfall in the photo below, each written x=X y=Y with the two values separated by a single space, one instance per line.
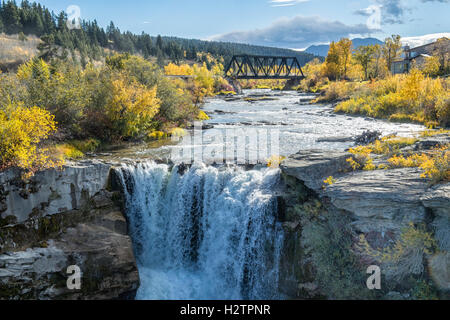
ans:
x=205 y=233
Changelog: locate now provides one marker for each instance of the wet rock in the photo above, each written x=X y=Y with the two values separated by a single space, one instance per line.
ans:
x=432 y=142
x=220 y=112
x=335 y=139
x=204 y=127
x=231 y=99
x=367 y=137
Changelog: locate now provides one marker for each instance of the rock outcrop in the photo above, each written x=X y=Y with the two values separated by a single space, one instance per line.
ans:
x=60 y=219
x=51 y=191
x=333 y=233
x=313 y=166
x=380 y=200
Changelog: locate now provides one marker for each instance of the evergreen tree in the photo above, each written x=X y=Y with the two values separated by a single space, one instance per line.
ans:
x=91 y=39
x=11 y=18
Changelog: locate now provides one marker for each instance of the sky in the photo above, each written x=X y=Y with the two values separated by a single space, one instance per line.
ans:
x=292 y=24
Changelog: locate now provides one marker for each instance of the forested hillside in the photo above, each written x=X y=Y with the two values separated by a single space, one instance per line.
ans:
x=91 y=40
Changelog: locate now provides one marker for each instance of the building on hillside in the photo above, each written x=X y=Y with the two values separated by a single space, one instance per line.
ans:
x=417 y=56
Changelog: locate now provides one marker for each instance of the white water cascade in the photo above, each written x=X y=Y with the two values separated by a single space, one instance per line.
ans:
x=208 y=233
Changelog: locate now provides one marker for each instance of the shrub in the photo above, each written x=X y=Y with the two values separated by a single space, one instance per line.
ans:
x=337 y=91
x=329 y=181
x=275 y=161
x=88 y=145
x=132 y=108
x=403 y=98
x=405 y=256
x=202 y=116
x=157 y=135
x=437 y=168
x=328 y=244
x=68 y=151
x=22 y=130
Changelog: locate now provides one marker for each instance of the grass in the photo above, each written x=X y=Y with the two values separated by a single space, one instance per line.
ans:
x=76 y=149
x=432 y=133
x=14 y=50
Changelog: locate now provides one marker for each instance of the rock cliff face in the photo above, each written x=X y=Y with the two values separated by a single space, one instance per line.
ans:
x=59 y=219
x=389 y=218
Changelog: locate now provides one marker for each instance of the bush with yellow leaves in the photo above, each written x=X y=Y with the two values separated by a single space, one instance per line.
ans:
x=405 y=98
x=132 y=107
x=275 y=161
x=437 y=168
x=329 y=181
x=435 y=164
x=22 y=130
x=405 y=256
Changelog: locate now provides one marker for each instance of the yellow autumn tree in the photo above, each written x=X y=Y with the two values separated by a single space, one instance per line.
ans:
x=344 y=49
x=431 y=66
x=178 y=70
x=332 y=62
x=132 y=107
x=22 y=130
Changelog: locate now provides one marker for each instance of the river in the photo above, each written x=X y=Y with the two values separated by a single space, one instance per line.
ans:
x=292 y=125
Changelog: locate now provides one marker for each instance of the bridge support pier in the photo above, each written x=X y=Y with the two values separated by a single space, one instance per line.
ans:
x=236 y=85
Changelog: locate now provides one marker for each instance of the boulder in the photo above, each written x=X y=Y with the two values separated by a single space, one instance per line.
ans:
x=105 y=259
x=312 y=167
x=438 y=199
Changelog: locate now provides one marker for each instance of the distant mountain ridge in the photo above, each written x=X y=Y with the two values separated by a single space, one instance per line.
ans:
x=322 y=50
x=229 y=49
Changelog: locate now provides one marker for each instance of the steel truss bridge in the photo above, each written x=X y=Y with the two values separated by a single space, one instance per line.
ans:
x=264 y=67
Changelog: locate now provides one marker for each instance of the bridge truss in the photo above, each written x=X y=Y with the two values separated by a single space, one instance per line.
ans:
x=264 y=67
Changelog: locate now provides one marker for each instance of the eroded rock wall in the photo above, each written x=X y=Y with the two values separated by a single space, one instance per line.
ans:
x=62 y=218
x=405 y=225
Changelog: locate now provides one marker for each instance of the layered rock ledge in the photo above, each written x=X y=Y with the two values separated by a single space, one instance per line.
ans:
x=62 y=218
x=324 y=225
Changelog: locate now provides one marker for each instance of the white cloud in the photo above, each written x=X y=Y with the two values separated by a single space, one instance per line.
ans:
x=422 y=40
x=297 y=32
x=285 y=3
x=392 y=11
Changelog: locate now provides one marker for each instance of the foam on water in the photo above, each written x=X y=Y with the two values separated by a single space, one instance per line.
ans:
x=207 y=233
